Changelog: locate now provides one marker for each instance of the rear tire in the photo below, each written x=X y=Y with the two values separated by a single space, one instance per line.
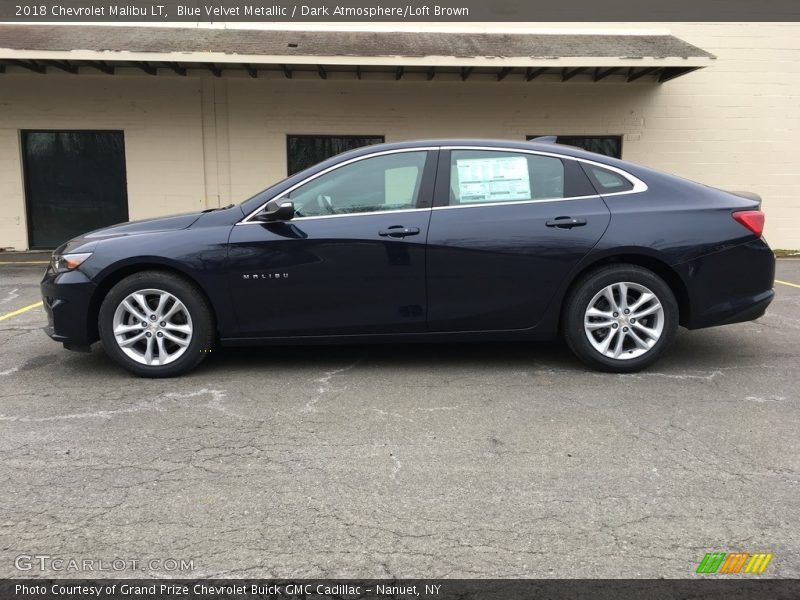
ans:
x=156 y=324
x=599 y=331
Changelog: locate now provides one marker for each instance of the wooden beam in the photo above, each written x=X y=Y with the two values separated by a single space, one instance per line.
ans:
x=102 y=66
x=567 y=74
x=600 y=73
x=30 y=65
x=146 y=67
x=398 y=72
x=669 y=73
x=531 y=73
x=64 y=66
x=358 y=72
x=215 y=70
x=465 y=71
x=287 y=72
x=322 y=72
x=177 y=68
x=633 y=75
x=503 y=73
x=431 y=73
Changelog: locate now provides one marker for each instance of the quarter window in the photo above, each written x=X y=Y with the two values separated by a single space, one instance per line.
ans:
x=303 y=151
x=609 y=145
x=481 y=177
x=609 y=181
x=380 y=183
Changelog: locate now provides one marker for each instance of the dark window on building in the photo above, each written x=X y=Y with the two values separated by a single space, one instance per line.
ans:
x=74 y=182
x=610 y=145
x=305 y=151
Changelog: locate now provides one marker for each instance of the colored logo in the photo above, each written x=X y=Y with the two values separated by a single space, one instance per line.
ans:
x=737 y=562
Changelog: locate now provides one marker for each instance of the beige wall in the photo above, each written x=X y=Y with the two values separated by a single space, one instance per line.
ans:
x=201 y=141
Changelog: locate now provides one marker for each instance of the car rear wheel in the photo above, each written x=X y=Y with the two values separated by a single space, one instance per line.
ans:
x=156 y=324
x=620 y=318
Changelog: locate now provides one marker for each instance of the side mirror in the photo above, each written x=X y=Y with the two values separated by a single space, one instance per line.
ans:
x=277 y=209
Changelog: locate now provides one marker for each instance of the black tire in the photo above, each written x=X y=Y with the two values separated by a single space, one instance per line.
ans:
x=202 y=336
x=578 y=300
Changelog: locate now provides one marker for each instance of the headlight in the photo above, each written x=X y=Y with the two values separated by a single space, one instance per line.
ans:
x=61 y=263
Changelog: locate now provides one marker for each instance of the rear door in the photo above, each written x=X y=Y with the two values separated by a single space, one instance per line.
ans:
x=507 y=228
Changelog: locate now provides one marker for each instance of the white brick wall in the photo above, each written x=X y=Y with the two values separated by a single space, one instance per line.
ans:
x=201 y=141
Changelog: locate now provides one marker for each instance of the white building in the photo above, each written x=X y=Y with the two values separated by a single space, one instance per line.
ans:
x=100 y=123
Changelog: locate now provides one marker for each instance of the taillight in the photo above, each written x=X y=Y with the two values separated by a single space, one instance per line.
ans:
x=752 y=219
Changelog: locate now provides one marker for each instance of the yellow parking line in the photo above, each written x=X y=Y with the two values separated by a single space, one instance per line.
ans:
x=25 y=262
x=20 y=311
x=787 y=283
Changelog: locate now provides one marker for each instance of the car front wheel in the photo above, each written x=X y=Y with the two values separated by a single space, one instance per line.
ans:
x=620 y=318
x=156 y=324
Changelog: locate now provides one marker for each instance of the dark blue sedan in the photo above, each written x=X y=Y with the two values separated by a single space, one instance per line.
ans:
x=423 y=241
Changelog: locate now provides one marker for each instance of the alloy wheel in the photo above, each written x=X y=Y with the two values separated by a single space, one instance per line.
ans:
x=152 y=327
x=624 y=320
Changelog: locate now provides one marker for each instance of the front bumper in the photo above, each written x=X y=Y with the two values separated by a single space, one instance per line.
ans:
x=67 y=301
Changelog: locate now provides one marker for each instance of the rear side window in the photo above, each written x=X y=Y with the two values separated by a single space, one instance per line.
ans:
x=608 y=181
x=482 y=177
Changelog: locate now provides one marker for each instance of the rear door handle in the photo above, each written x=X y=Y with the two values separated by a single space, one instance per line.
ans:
x=399 y=231
x=566 y=222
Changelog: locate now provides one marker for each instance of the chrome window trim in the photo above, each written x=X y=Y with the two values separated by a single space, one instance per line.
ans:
x=638 y=185
x=339 y=216
x=247 y=221
x=513 y=202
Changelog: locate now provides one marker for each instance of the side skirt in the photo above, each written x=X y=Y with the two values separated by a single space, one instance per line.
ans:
x=414 y=338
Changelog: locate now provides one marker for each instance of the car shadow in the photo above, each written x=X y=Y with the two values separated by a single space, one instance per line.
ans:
x=411 y=356
x=712 y=348
x=690 y=350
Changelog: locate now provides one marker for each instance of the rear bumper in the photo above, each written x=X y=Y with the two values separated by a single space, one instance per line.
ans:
x=743 y=309
x=66 y=298
x=730 y=286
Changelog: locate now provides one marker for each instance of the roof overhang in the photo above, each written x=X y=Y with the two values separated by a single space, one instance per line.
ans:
x=589 y=56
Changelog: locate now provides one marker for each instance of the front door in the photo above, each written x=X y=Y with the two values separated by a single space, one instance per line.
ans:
x=351 y=261
x=507 y=229
x=74 y=183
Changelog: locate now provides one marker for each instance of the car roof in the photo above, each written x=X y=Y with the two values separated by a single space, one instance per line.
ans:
x=547 y=147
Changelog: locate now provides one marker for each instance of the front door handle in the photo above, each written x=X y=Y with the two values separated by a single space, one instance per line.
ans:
x=399 y=231
x=566 y=222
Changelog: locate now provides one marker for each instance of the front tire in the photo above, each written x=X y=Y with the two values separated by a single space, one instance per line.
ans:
x=620 y=318
x=156 y=324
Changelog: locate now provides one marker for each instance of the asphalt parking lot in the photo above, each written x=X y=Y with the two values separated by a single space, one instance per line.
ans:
x=485 y=460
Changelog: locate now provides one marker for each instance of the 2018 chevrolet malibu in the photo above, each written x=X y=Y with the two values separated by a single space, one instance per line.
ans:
x=431 y=240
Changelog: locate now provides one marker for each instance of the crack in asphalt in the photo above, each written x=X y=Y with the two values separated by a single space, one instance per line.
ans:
x=325 y=386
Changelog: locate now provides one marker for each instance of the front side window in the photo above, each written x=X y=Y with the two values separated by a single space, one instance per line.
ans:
x=380 y=183
x=481 y=177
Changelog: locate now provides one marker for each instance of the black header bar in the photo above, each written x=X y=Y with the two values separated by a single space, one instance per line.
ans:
x=735 y=587
x=531 y=11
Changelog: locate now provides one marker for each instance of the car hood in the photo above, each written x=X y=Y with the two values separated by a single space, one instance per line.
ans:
x=88 y=241
x=172 y=223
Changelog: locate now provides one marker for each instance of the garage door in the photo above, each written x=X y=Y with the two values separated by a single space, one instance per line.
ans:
x=74 y=183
